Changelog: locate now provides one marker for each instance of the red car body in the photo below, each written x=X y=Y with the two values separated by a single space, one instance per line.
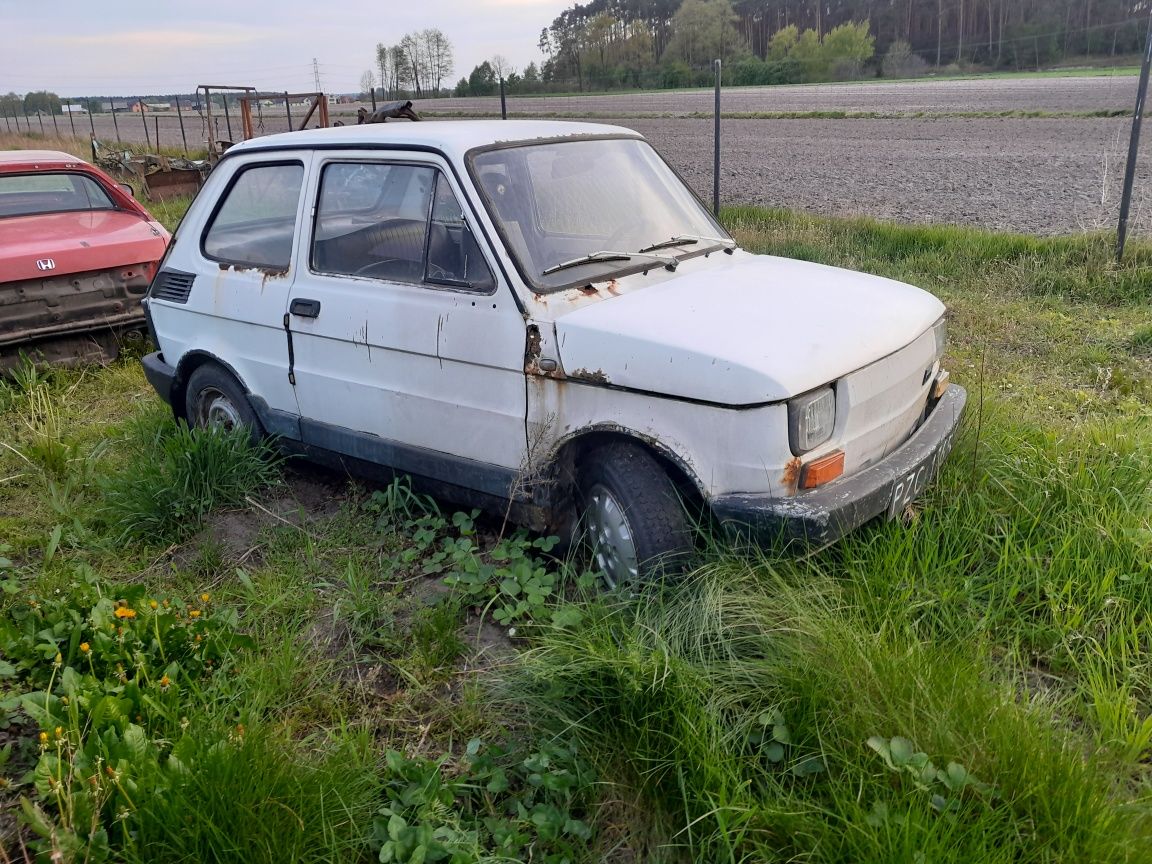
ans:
x=75 y=259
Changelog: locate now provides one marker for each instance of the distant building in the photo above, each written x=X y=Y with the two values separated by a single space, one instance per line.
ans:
x=137 y=107
x=114 y=105
x=73 y=109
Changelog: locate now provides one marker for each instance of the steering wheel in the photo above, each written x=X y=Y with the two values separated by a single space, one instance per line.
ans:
x=639 y=228
x=370 y=268
x=619 y=234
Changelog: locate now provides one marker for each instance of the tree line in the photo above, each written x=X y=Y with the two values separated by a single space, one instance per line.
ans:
x=639 y=43
x=41 y=101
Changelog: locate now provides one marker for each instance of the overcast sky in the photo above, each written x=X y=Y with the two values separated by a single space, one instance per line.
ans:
x=127 y=47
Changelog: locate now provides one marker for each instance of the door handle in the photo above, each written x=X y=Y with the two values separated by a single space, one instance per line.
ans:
x=305 y=308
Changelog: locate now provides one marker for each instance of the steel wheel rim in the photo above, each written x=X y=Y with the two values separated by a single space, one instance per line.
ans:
x=611 y=538
x=217 y=411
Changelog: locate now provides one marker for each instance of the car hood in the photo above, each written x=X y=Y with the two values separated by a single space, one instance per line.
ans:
x=743 y=330
x=76 y=242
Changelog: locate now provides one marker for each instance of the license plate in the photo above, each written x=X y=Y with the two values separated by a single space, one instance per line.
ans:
x=909 y=487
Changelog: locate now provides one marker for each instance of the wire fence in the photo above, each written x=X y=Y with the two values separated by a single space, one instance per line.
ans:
x=1041 y=155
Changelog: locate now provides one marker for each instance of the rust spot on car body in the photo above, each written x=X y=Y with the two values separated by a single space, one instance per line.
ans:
x=791 y=478
x=595 y=376
x=269 y=275
x=533 y=363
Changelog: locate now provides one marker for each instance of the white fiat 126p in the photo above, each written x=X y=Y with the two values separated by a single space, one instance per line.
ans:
x=540 y=318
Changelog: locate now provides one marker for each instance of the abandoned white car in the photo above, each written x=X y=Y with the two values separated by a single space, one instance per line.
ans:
x=540 y=318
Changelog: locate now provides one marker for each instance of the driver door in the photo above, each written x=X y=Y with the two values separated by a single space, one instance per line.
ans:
x=407 y=351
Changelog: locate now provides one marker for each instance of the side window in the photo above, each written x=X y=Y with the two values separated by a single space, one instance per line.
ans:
x=256 y=222
x=372 y=220
x=454 y=257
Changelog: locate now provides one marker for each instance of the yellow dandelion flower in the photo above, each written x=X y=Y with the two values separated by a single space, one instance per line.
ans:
x=43 y=737
x=59 y=731
x=63 y=700
x=125 y=612
x=165 y=682
x=194 y=613
x=204 y=598
x=59 y=659
x=153 y=604
x=85 y=647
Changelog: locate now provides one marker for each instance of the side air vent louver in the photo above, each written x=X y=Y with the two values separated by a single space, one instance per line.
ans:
x=173 y=286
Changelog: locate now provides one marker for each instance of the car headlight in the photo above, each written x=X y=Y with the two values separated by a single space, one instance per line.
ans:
x=940 y=331
x=811 y=418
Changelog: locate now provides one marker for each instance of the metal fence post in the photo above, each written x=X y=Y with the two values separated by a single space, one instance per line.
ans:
x=1134 y=146
x=115 y=124
x=71 y=122
x=503 y=101
x=180 y=117
x=228 y=118
x=7 y=122
x=40 y=117
x=144 y=120
x=716 y=147
x=91 y=120
x=55 y=128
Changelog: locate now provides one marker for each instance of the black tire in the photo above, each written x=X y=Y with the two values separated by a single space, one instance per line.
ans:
x=215 y=399
x=624 y=481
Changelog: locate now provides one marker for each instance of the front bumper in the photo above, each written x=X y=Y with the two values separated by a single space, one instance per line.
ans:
x=827 y=513
x=159 y=374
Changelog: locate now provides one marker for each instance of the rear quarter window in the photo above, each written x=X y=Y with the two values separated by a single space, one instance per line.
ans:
x=50 y=192
x=255 y=223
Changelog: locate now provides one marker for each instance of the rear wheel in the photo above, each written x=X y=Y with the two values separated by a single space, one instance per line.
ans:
x=633 y=520
x=215 y=400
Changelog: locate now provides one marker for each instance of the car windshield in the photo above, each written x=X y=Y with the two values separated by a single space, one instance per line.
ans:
x=50 y=192
x=572 y=212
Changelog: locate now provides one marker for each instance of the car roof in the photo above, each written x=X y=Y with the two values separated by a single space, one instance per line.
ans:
x=31 y=158
x=454 y=138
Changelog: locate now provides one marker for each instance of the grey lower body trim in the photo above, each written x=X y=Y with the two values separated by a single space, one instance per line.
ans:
x=444 y=467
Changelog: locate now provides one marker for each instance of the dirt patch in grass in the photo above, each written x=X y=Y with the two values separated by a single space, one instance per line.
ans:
x=309 y=493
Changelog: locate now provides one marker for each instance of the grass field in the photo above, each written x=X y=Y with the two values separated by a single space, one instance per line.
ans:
x=207 y=653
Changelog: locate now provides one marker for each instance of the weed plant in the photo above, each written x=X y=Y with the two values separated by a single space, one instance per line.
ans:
x=183 y=474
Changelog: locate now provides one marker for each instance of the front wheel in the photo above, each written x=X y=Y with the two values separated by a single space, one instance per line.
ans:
x=632 y=517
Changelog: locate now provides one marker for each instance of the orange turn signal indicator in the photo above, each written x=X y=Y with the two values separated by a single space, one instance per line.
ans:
x=822 y=470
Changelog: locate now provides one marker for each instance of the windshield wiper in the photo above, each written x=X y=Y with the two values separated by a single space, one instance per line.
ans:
x=691 y=240
x=606 y=255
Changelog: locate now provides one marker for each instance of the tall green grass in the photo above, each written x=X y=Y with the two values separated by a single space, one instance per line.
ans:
x=1075 y=269
x=257 y=796
x=739 y=706
x=179 y=475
